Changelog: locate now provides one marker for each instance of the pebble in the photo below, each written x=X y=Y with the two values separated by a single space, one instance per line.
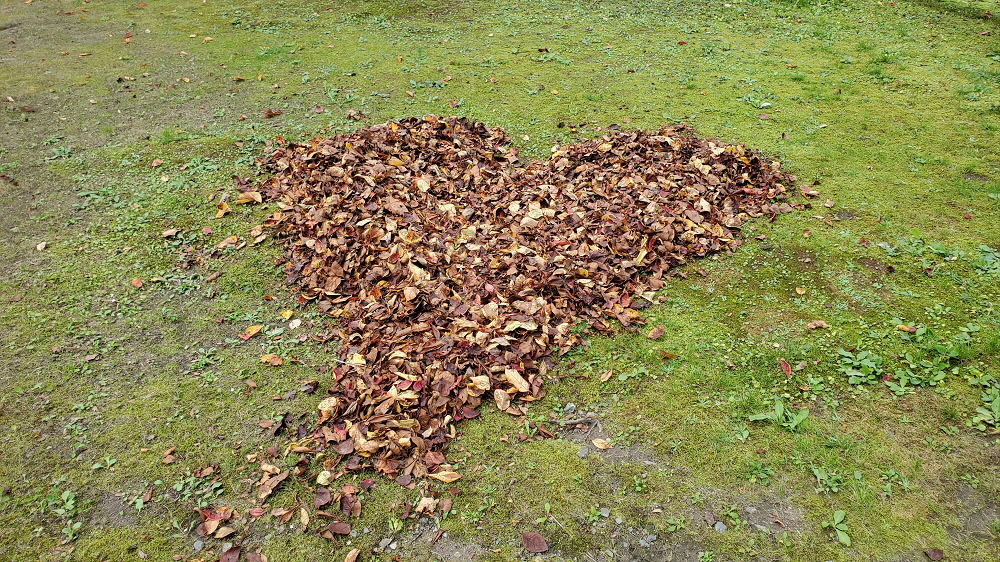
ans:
x=647 y=541
x=720 y=527
x=569 y=408
x=583 y=452
x=199 y=545
x=385 y=542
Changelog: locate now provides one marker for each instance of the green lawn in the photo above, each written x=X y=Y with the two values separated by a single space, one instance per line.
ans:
x=123 y=119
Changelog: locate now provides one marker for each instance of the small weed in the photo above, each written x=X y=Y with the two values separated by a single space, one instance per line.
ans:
x=678 y=523
x=827 y=481
x=783 y=416
x=839 y=526
x=862 y=367
x=758 y=472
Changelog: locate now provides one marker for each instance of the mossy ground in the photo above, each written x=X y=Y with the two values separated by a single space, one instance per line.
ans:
x=893 y=110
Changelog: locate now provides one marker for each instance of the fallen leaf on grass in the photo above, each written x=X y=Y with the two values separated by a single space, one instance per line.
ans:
x=231 y=555
x=248 y=197
x=446 y=476
x=170 y=232
x=251 y=331
x=934 y=554
x=339 y=528
x=533 y=542
x=786 y=367
x=229 y=242
x=268 y=486
x=656 y=333
x=816 y=325
x=602 y=444
x=222 y=209
x=136 y=282
x=606 y=375
x=41 y=246
x=905 y=328
x=272 y=360
x=352 y=556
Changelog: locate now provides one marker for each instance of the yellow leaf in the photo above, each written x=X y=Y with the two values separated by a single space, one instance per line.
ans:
x=249 y=197
x=286 y=314
x=272 y=359
x=446 y=476
x=251 y=331
x=223 y=208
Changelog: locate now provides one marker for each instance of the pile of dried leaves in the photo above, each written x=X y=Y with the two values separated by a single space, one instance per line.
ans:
x=457 y=271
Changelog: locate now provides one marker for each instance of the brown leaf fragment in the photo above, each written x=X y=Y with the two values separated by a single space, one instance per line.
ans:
x=231 y=555
x=339 y=528
x=906 y=328
x=816 y=325
x=934 y=554
x=271 y=113
x=533 y=542
x=656 y=333
x=269 y=484
x=323 y=497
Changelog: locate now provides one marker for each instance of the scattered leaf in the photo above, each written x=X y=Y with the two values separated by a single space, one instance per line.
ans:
x=533 y=542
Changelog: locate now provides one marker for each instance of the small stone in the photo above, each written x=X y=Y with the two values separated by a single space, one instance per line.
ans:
x=720 y=527
x=605 y=512
x=199 y=545
x=583 y=452
x=750 y=509
x=393 y=545
x=385 y=542
x=570 y=408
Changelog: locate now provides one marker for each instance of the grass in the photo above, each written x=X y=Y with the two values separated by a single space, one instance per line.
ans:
x=890 y=111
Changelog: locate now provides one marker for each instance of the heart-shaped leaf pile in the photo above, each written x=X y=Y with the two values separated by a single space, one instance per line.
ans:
x=456 y=271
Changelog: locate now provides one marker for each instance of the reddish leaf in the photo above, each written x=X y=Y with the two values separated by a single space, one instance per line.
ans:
x=231 y=555
x=786 y=367
x=534 y=542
